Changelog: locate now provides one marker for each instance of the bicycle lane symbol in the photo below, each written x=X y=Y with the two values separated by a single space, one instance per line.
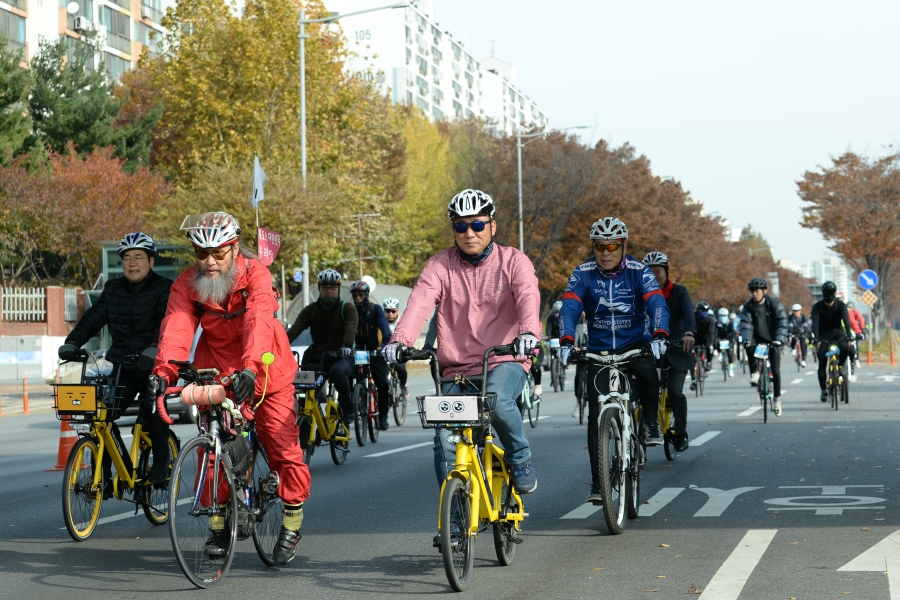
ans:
x=832 y=500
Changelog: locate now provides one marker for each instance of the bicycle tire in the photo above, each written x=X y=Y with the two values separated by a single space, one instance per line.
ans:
x=611 y=474
x=581 y=411
x=534 y=412
x=154 y=499
x=189 y=529
x=457 y=546
x=359 y=407
x=339 y=451
x=554 y=374
x=764 y=389
x=372 y=418
x=834 y=385
x=845 y=389
x=399 y=403
x=267 y=507
x=562 y=378
x=80 y=503
x=724 y=367
x=633 y=487
x=697 y=376
x=305 y=427
x=669 y=447
x=701 y=381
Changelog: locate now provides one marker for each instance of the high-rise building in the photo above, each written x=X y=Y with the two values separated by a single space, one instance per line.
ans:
x=124 y=27
x=832 y=269
x=416 y=62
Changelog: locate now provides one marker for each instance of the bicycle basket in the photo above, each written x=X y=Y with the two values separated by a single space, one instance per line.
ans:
x=88 y=402
x=456 y=411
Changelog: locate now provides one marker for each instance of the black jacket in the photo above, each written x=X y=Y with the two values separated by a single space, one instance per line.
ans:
x=330 y=328
x=681 y=321
x=373 y=329
x=776 y=315
x=132 y=311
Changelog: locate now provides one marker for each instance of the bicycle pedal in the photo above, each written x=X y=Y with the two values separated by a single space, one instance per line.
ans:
x=515 y=539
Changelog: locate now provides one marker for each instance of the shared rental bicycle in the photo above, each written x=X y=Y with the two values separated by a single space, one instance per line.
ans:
x=477 y=493
x=621 y=452
x=91 y=407
x=221 y=486
x=365 y=398
x=666 y=418
x=397 y=399
x=318 y=426
x=837 y=381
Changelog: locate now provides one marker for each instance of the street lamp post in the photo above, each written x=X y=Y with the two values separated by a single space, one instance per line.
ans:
x=519 y=146
x=302 y=22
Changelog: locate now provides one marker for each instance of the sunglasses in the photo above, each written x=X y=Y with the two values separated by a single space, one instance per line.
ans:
x=216 y=253
x=358 y=294
x=390 y=310
x=477 y=226
x=608 y=247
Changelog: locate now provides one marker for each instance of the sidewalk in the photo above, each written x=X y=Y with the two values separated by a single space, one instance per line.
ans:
x=40 y=398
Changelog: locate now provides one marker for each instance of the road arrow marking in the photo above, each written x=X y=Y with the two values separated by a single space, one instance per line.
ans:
x=883 y=557
x=731 y=577
x=719 y=500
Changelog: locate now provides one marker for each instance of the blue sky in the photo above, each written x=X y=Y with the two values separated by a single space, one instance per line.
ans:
x=734 y=100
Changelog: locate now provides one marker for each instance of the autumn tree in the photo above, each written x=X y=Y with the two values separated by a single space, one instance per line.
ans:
x=855 y=204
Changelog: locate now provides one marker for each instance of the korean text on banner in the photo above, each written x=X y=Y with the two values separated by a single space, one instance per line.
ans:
x=268 y=243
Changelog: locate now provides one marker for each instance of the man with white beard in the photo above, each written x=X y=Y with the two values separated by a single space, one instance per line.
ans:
x=229 y=292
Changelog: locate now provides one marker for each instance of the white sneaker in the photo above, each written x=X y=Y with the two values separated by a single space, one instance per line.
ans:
x=754 y=378
x=537 y=390
x=731 y=371
x=575 y=411
x=803 y=363
x=852 y=377
x=777 y=408
x=857 y=363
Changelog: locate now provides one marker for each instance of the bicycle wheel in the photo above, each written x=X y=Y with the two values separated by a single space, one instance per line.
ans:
x=698 y=370
x=372 y=417
x=534 y=412
x=198 y=502
x=633 y=486
x=562 y=378
x=611 y=475
x=845 y=389
x=724 y=367
x=307 y=442
x=669 y=446
x=267 y=506
x=359 y=404
x=554 y=374
x=80 y=500
x=154 y=498
x=457 y=546
x=763 y=386
x=399 y=403
x=701 y=381
x=339 y=451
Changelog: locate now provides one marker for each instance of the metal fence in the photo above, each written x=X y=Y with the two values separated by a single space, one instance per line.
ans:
x=71 y=305
x=24 y=304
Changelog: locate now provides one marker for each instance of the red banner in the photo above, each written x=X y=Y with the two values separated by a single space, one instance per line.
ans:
x=269 y=243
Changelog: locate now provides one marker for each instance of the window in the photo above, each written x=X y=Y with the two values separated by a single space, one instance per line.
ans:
x=115 y=66
x=456 y=70
x=470 y=98
x=408 y=56
x=437 y=55
x=470 y=63
x=420 y=41
x=118 y=26
x=13 y=27
x=436 y=75
x=70 y=52
x=409 y=36
x=436 y=33
x=457 y=89
x=423 y=65
x=152 y=10
x=409 y=98
x=423 y=104
x=423 y=86
x=468 y=114
x=437 y=96
x=457 y=109
x=470 y=80
x=420 y=22
x=437 y=113
x=457 y=52
x=148 y=36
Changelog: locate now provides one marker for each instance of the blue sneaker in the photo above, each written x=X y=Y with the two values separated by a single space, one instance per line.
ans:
x=523 y=477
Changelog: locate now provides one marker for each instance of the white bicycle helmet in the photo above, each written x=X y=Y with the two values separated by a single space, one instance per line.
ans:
x=732 y=316
x=211 y=230
x=329 y=277
x=608 y=229
x=469 y=203
x=796 y=307
x=655 y=259
x=557 y=306
x=137 y=241
x=391 y=303
x=723 y=312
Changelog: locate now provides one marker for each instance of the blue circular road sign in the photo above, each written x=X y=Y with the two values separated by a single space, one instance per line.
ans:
x=867 y=279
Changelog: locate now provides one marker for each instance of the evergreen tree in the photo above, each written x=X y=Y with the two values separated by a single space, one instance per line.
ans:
x=15 y=85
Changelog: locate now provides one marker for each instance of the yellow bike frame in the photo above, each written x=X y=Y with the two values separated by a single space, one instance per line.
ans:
x=467 y=468
x=327 y=424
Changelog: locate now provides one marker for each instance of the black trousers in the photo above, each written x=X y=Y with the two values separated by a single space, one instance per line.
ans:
x=380 y=373
x=803 y=344
x=400 y=370
x=774 y=361
x=135 y=381
x=645 y=384
x=339 y=372
x=677 y=399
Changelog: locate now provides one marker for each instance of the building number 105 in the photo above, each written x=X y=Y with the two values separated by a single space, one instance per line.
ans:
x=363 y=35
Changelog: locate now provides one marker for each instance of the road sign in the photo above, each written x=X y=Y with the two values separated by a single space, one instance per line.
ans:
x=869 y=299
x=867 y=279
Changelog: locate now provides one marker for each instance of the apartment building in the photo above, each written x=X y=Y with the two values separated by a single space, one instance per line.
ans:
x=416 y=62
x=125 y=27
x=831 y=269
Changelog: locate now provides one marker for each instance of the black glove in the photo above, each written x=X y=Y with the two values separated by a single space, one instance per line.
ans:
x=243 y=383
x=156 y=386
x=148 y=357
x=67 y=352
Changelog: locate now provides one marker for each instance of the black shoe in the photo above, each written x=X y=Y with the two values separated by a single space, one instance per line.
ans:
x=341 y=429
x=652 y=435
x=681 y=442
x=216 y=544
x=823 y=396
x=383 y=423
x=436 y=542
x=108 y=490
x=595 y=497
x=159 y=471
x=286 y=546
x=693 y=385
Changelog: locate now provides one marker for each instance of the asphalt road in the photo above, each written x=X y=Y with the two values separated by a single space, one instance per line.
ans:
x=802 y=507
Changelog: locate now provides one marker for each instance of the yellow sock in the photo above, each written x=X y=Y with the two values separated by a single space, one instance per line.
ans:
x=292 y=516
x=217 y=521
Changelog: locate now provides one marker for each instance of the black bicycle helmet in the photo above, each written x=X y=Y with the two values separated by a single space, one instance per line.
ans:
x=703 y=306
x=829 y=290
x=757 y=283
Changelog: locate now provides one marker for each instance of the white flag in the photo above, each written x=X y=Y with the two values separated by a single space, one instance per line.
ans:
x=259 y=179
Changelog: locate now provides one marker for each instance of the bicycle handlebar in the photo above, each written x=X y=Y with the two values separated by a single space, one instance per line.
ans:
x=609 y=359
x=408 y=354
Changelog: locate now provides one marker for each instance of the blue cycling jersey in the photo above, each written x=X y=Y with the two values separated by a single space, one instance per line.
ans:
x=615 y=309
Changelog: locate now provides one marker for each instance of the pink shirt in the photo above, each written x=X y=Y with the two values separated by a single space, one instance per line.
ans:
x=480 y=306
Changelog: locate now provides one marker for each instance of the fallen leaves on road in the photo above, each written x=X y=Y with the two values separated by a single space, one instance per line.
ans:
x=660 y=576
x=654 y=590
x=696 y=590
x=138 y=537
x=864 y=529
x=598 y=568
x=663 y=545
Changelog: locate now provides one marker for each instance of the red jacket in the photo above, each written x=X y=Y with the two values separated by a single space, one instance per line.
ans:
x=228 y=344
x=857 y=324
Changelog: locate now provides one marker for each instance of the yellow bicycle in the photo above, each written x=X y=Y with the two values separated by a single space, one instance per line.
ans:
x=317 y=426
x=477 y=492
x=91 y=407
x=666 y=419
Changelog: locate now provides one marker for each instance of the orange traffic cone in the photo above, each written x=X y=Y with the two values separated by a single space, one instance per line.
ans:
x=67 y=439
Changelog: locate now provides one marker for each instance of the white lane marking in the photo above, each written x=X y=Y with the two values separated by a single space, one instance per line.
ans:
x=750 y=411
x=796 y=381
x=882 y=557
x=658 y=501
x=810 y=372
x=386 y=452
x=704 y=438
x=539 y=418
x=731 y=577
x=583 y=511
x=121 y=516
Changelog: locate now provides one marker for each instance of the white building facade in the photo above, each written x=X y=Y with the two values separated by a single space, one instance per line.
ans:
x=417 y=63
x=831 y=269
